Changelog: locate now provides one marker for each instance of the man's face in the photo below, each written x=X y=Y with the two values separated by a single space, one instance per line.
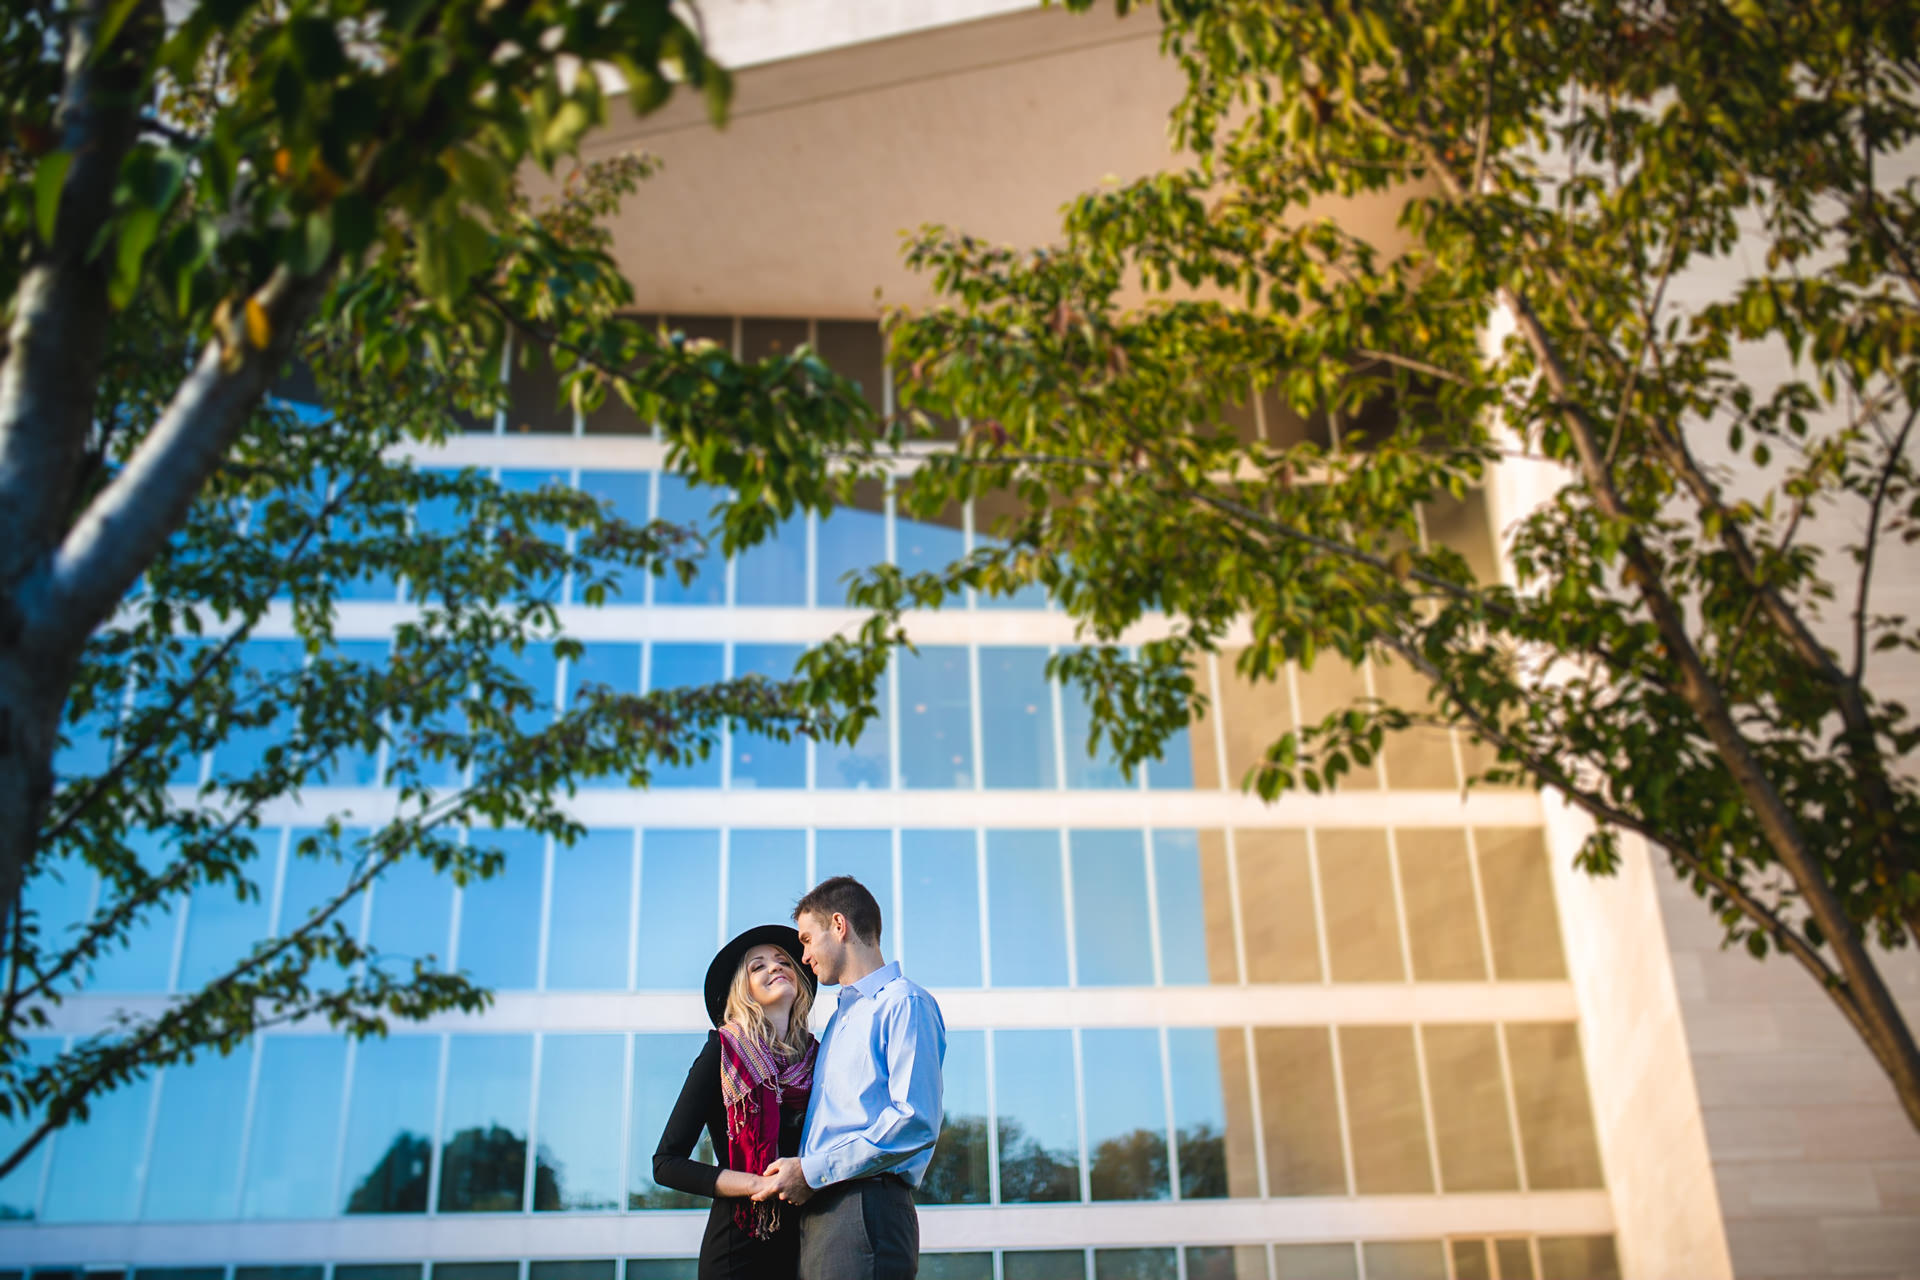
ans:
x=823 y=945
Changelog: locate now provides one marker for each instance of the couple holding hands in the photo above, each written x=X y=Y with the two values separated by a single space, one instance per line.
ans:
x=821 y=1143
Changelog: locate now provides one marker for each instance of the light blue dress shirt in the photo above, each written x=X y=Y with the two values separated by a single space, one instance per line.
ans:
x=875 y=1106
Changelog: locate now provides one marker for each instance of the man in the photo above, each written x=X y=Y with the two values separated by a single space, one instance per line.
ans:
x=875 y=1109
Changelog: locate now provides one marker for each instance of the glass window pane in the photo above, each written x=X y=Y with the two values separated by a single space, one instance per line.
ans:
x=20 y=1189
x=616 y=666
x=1110 y=895
x=1037 y=1129
x=313 y=877
x=1419 y=758
x=96 y=1162
x=1516 y=1259
x=1044 y=1264
x=1254 y=713
x=940 y=907
x=1550 y=1094
x=222 y=928
x=958 y=1174
x=850 y=540
x=1581 y=1257
x=58 y=900
x=1473 y=1260
x=145 y=962
x=1405 y=1260
x=1469 y=1109
x=625 y=495
x=1334 y=685
x=956 y=1266
x=476 y=1271
x=296 y=1125
x=867 y=856
x=1213 y=1113
x=1085 y=770
x=759 y=760
x=353 y=524
x=936 y=724
x=1276 y=906
x=1196 y=908
x=1026 y=908
x=862 y=764
x=313 y=1272
x=577 y=1162
x=660 y=1066
x=1300 y=1111
x=536 y=668
x=662 y=1268
x=766 y=874
x=774 y=572
x=390 y=1125
x=378 y=1271
x=691 y=508
x=1016 y=718
x=682 y=666
x=571 y=1269
x=500 y=915
x=1315 y=1262
x=268 y=667
x=679 y=909
x=1522 y=921
x=1227 y=1262
x=1356 y=886
x=1443 y=927
x=546 y=587
x=1385 y=1119
x=1134 y=1264
x=1126 y=1112
x=587 y=931
x=1176 y=769
x=412 y=915
x=928 y=544
x=353 y=767
x=196 y=1138
x=483 y=1146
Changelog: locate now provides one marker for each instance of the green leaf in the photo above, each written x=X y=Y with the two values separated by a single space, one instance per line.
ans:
x=311 y=242
x=49 y=179
x=353 y=224
x=137 y=229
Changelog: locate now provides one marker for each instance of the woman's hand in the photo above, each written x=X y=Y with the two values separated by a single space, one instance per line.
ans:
x=739 y=1185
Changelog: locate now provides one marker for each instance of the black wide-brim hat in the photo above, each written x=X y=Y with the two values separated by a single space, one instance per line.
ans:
x=727 y=961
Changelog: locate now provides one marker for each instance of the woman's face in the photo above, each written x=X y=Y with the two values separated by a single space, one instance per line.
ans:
x=772 y=980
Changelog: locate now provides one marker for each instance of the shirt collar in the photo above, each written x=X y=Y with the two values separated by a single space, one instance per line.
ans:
x=870 y=984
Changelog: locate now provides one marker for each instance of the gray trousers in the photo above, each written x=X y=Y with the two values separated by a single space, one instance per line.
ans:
x=861 y=1230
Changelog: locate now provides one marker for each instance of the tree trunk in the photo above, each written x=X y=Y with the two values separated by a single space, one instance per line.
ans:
x=30 y=701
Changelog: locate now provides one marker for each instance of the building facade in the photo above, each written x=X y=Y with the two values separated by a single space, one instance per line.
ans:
x=1377 y=1033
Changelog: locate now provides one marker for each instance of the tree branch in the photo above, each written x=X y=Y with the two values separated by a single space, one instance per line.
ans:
x=1895 y=456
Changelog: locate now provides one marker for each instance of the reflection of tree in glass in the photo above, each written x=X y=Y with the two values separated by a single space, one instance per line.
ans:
x=1132 y=1166
x=398 y=1183
x=550 y=1186
x=483 y=1171
x=958 y=1174
x=655 y=1196
x=1031 y=1172
x=1203 y=1162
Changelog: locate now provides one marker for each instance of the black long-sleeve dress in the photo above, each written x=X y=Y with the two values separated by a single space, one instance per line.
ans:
x=726 y=1252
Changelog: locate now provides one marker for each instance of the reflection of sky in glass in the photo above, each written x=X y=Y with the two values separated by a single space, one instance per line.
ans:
x=674 y=666
x=692 y=509
x=352 y=767
x=96 y=1162
x=867 y=856
x=1016 y=718
x=764 y=761
x=88 y=748
x=775 y=572
x=936 y=725
x=660 y=1064
x=862 y=764
x=848 y=541
x=1026 y=909
x=587 y=935
x=940 y=900
x=1038 y=1133
x=766 y=874
x=196 y=1138
x=220 y=927
x=60 y=897
x=1199 y=1110
x=20 y=1190
x=267 y=667
x=579 y=1092
x=1085 y=771
x=483 y=1127
x=679 y=907
x=625 y=493
x=390 y=1125
x=958 y=1174
x=1183 y=917
x=439 y=517
x=617 y=667
x=548 y=587
x=412 y=909
x=296 y=1119
x=925 y=545
x=309 y=883
x=1126 y=1113
x=1110 y=908
x=534 y=666
x=146 y=960
x=500 y=916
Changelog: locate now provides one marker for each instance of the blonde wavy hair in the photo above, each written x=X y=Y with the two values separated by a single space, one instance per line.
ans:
x=751 y=1021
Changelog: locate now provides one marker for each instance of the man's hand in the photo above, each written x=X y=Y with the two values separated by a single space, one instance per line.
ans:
x=785 y=1180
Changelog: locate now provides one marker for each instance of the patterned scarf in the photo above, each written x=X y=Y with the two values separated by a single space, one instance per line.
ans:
x=755 y=1083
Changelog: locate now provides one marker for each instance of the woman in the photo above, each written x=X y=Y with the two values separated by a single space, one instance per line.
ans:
x=749 y=1089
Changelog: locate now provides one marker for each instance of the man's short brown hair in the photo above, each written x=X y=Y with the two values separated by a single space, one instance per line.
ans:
x=843 y=895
